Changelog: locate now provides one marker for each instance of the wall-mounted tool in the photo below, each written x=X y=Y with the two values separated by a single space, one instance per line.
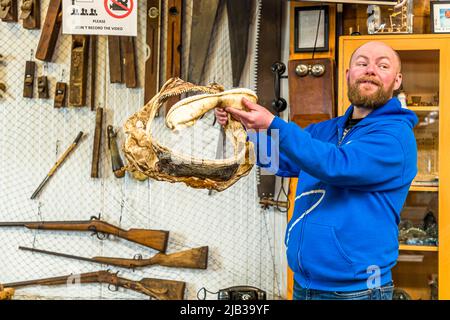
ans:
x=173 y=44
x=93 y=69
x=8 y=10
x=57 y=165
x=97 y=142
x=60 y=95
x=116 y=160
x=28 y=83
x=268 y=50
x=115 y=59
x=153 y=41
x=129 y=61
x=78 y=70
x=50 y=31
x=31 y=14
x=43 y=87
x=43 y=90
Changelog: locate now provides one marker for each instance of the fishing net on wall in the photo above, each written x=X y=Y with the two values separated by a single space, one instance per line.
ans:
x=241 y=237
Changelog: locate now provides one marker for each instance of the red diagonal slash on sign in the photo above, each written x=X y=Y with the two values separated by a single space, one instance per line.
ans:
x=126 y=14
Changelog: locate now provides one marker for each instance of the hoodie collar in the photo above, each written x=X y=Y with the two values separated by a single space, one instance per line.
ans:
x=390 y=110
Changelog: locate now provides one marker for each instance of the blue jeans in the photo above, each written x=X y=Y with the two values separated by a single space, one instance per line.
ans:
x=381 y=293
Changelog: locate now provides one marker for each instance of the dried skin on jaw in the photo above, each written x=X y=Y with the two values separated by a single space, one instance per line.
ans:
x=157 y=161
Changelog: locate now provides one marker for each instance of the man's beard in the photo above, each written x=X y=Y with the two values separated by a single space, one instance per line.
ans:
x=371 y=101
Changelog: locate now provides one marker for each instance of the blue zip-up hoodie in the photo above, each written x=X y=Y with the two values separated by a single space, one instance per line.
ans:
x=343 y=235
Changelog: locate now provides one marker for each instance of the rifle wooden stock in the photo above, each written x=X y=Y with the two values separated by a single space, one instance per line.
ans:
x=155 y=239
x=196 y=258
x=160 y=289
x=50 y=31
x=6 y=293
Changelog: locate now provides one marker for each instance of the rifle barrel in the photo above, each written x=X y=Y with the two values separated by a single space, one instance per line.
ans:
x=58 y=254
x=60 y=280
x=43 y=223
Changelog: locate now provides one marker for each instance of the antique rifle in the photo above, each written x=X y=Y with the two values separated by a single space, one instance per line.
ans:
x=159 y=289
x=196 y=258
x=155 y=239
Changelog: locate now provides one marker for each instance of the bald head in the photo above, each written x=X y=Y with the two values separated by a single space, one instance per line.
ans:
x=382 y=48
x=373 y=75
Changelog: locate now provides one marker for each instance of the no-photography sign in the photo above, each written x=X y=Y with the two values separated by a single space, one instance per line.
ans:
x=101 y=17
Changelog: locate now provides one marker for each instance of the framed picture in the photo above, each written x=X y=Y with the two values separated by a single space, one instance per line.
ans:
x=311 y=29
x=440 y=16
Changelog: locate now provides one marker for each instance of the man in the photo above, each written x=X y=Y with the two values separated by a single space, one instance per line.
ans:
x=354 y=174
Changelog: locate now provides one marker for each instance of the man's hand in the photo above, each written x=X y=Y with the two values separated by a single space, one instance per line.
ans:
x=257 y=117
x=221 y=116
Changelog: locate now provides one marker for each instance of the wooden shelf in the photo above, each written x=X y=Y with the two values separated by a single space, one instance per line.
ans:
x=424 y=189
x=404 y=247
x=423 y=108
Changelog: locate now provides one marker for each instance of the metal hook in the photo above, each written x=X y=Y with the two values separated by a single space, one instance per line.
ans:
x=137 y=256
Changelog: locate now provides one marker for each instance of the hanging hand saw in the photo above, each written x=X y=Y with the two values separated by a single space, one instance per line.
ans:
x=268 y=51
x=153 y=39
x=173 y=44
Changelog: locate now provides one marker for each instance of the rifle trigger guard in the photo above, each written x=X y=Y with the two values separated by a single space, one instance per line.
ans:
x=101 y=236
x=116 y=287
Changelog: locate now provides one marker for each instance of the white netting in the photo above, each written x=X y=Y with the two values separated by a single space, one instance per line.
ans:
x=241 y=237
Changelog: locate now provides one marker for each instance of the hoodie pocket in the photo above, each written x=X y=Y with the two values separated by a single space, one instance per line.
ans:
x=321 y=255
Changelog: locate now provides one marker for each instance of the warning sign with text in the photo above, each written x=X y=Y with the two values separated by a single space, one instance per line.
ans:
x=101 y=17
